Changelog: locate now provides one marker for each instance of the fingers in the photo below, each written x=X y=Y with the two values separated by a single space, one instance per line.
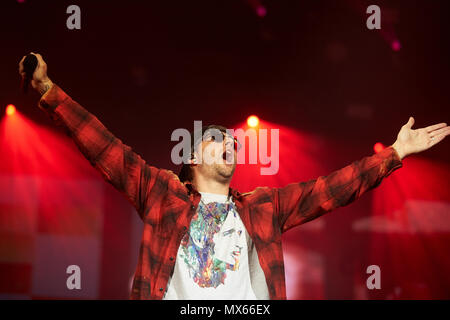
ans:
x=439 y=138
x=41 y=68
x=410 y=122
x=41 y=61
x=435 y=127
x=445 y=130
x=21 y=66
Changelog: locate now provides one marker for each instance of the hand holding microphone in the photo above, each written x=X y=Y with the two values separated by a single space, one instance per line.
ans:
x=33 y=69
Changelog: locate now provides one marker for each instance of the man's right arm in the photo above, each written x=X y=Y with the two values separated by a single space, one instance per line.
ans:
x=117 y=163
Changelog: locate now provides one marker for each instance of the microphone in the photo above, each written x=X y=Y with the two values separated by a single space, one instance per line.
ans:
x=29 y=65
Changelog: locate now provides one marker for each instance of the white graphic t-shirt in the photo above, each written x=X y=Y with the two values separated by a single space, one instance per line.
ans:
x=212 y=260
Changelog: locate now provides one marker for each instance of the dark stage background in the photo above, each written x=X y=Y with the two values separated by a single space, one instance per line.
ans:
x=309 y=68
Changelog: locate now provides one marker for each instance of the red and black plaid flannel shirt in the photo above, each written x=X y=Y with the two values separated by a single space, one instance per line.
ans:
x=166 y=205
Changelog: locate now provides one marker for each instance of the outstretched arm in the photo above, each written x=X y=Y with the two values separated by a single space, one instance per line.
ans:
x=298 y=203
x=117 y=163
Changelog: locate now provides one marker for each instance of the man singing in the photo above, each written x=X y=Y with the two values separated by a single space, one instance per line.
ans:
x=203 y=239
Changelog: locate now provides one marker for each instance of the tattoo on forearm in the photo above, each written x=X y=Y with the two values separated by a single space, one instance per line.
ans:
x=44 y=88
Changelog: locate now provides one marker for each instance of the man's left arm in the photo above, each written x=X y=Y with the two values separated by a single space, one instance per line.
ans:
x=298 y=203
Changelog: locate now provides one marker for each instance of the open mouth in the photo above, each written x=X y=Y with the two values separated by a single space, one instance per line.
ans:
x=227 y=156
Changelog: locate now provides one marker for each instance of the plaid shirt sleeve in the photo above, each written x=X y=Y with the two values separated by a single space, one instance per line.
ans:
x=117 y=163
x=298 y=203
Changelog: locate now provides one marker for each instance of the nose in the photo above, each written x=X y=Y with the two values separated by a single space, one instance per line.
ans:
x=228 y=144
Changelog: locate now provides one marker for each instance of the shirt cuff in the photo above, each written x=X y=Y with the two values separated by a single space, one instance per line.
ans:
x=391 y=161
x=54 y=97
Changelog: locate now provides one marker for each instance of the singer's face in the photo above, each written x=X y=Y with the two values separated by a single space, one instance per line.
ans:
x=215 y=159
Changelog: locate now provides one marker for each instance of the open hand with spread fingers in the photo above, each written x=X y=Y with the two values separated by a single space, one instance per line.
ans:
x=411 y=141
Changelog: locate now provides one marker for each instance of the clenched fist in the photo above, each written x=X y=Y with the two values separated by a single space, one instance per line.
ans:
x=40 y=82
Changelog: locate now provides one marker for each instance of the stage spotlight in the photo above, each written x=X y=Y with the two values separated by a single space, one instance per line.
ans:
x=10 y=109
x=378 y=147
x=395 y=45
x=261 y=11
x=258 y=7
x=253 y=121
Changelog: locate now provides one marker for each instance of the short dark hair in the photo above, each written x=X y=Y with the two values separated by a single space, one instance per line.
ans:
x=185 y=173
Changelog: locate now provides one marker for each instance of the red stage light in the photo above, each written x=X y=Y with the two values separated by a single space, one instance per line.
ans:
x=378 y=147
x=261 y=11
x=10 y=109
x=252 y=121
x=395 y=45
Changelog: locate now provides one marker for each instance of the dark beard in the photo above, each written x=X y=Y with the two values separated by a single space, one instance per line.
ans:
x=225 y=174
